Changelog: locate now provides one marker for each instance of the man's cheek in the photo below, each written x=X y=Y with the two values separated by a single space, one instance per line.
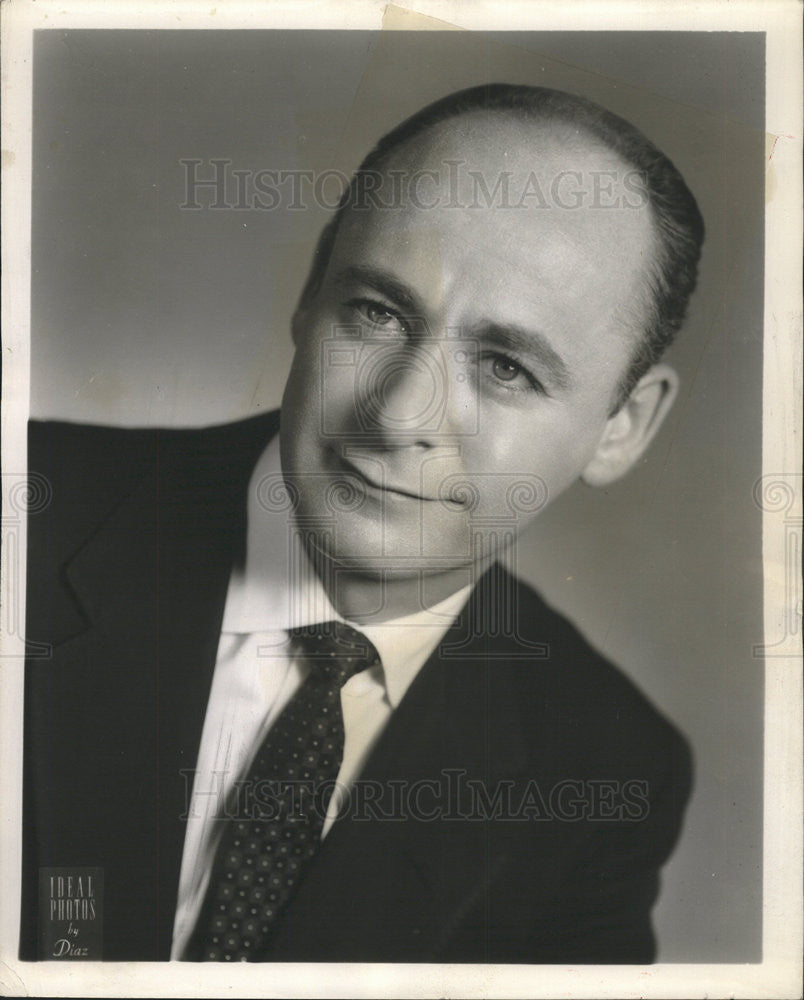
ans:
x=331 y=398
x=500 y=503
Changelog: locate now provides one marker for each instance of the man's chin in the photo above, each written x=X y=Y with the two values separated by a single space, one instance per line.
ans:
x=373 y=588
x=391 y=556
x=385 y=567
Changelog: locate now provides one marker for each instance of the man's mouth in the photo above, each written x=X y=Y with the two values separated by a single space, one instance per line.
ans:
x=369 y=471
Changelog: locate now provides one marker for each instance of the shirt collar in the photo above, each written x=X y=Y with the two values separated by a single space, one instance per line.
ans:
x=404 y=644
x=278 y=589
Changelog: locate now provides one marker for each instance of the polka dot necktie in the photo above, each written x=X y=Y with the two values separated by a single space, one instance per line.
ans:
x=274 y=830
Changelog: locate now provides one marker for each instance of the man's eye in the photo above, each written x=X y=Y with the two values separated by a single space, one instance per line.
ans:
x=380 y=316
x=504 y=370
x=513 y=376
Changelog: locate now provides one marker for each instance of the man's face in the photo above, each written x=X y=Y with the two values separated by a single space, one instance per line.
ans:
x=458 y=365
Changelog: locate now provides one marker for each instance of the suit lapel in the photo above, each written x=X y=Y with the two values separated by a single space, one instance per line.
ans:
x=147 y=591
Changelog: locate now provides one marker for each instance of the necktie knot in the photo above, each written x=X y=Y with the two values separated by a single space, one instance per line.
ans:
x=335 y=650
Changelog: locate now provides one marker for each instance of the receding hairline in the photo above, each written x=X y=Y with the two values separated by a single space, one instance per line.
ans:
x=562 y=127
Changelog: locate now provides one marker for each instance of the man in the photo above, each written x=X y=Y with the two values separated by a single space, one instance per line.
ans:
x=482 y=326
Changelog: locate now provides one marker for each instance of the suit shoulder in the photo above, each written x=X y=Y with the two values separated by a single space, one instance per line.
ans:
x=113 y=457
x=87 y=470
x=84 y=470
x=56 y=443
x=51 y=442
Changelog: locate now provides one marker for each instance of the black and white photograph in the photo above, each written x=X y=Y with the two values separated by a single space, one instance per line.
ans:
x=401 y=510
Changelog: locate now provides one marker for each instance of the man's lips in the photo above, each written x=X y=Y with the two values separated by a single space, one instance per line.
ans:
x=366 y=470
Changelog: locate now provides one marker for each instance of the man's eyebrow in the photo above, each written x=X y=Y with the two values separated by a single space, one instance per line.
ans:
x=528 y=343
x=508 y=336
x=381 y=281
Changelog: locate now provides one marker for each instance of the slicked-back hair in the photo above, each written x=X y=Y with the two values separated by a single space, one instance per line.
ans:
x=679 y=228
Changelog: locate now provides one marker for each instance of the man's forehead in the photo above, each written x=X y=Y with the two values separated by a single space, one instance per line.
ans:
x=498 y=171
x=482 y=187
x=503 y=142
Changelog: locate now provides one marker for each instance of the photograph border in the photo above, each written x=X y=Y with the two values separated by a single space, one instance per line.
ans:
x=779 y=495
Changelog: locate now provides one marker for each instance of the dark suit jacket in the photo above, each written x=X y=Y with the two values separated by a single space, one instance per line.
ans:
x=538 y=792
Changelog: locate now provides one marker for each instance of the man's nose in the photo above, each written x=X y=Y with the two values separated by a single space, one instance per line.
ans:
x=405 y=393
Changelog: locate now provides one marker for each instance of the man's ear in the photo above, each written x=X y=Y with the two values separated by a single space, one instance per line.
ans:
x=631 y=429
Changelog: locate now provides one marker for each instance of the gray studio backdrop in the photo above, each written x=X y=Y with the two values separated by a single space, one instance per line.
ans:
x=148 y=313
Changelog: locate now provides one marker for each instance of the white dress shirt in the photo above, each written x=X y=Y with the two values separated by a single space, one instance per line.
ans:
x=255 y=675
